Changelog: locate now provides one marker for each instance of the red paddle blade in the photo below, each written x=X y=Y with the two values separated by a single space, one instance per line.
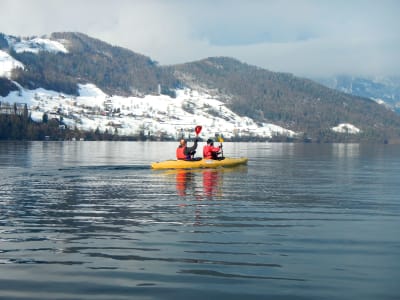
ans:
x=197 y=129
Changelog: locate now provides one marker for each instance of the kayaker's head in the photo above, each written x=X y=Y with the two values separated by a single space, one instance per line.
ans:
x=210 y=142
x=182 y=143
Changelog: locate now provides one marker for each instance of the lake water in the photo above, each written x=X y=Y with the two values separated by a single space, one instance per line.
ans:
x=91 y=220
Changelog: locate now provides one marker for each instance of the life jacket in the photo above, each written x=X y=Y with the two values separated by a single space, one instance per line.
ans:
x=210 y=152
x=180 y=153
x=207 y=152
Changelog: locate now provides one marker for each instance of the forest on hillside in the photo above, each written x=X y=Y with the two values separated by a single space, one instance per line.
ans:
x=116 y=70
x=291 y=102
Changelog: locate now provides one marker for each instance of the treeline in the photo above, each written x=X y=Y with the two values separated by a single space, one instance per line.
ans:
x=16 y=127
x=22 y=127
x=6 y=86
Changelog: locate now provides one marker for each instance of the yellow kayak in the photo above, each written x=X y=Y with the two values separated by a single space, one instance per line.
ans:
x=202 y=163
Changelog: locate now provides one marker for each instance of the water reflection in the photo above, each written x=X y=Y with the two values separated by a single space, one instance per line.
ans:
x=346 y=150
x=184 y=182
x=212 y=183
x=203 y=184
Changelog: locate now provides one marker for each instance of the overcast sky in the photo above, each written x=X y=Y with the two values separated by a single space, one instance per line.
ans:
x=304 y=37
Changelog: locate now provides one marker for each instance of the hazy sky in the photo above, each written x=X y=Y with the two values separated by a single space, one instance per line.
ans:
x=304 y=37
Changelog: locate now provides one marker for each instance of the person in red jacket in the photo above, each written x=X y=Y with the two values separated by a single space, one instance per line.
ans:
x=211 y=152
x=184 y=152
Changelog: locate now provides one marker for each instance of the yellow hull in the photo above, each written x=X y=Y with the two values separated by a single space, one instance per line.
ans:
x=196 y=164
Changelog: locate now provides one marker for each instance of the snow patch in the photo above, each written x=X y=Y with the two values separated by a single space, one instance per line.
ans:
x=346 y=128
x=7 y=64
x=90 y=90
x=37 y=116
x=35 y=45
x=380 y=101
x=386 y=105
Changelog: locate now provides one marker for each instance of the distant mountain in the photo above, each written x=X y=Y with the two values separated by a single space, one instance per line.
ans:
x=292 y=102
x=384 y=90
x=62 y=61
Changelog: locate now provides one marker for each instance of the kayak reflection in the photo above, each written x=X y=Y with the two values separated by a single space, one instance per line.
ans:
x=212 y=183
x=205 y=183
x=184 y=182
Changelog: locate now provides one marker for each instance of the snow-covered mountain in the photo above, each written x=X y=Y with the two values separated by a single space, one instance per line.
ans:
x=156 y=115
x=225 y=96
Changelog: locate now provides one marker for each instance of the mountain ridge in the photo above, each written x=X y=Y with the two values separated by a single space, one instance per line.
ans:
x=289 y=101
x=384 y=90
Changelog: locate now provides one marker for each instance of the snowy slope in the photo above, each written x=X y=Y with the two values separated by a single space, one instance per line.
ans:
x=346 y=128
x=7 y=64
x=154 y=114
x=35 y=45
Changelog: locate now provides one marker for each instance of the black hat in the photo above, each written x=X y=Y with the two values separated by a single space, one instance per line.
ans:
x=210 y=141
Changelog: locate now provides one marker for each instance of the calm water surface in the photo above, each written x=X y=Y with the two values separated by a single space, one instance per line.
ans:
x=91 y=220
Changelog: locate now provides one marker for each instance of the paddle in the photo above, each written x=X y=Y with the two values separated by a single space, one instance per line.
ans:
x=221 y=140
x=197 y=129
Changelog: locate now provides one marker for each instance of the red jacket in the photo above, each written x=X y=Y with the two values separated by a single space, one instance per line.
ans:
x=185 y=152
x=180 y=153
x=210 y=152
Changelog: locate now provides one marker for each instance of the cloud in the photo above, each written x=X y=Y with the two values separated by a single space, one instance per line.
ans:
x=307 y=37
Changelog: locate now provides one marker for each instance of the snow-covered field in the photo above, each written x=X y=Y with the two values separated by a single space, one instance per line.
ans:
x=154 y=114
